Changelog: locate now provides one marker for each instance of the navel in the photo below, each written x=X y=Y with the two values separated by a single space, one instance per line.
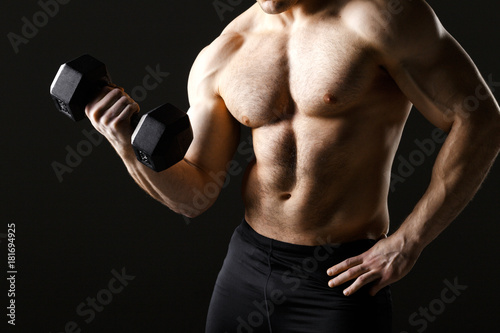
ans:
x=286 y=196
x=330 y=99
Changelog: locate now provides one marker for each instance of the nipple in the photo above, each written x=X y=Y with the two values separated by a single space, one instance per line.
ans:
x=245 y=120
x=330 y=99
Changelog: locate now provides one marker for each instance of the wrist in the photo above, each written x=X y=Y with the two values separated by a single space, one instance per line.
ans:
x=125 y=151
x=410 y=241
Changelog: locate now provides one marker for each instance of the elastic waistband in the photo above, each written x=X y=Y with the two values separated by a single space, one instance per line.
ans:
x=265 y=243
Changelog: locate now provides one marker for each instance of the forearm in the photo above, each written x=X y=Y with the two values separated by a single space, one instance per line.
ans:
x=460 y=168
x=176 y=187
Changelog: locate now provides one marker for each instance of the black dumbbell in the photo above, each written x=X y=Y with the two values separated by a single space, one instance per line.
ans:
x=161 y=137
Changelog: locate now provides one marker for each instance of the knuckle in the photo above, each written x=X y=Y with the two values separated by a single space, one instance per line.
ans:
x=136 y=107
x=360 y=269
x=118 y=123
x=107 y=89
x=124 y=99
x=114 y=127
x=116 y=91
x=363 y=278
x=122 y=102
x=351 y=273
x=93 y=115
x=112 y=94
x=88 y=111
x=357 y=270
x=107 y=117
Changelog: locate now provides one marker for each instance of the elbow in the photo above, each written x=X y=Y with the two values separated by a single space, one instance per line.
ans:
x=195 y=207
x=190 y=214
x=200 y=200
x=187 y=211
x=195 y=200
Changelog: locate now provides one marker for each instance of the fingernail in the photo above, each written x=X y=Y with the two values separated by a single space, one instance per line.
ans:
x=346 y=292
x=331 y=284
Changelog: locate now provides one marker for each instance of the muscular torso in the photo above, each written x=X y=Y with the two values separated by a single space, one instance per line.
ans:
x=326 y=120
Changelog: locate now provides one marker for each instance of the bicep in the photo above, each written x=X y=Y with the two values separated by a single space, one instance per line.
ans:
x=216 y=133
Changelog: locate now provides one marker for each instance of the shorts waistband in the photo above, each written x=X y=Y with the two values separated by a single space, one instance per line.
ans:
x=266 y=243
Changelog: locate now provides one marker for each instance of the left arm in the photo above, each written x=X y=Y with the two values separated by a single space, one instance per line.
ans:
x=442 y=82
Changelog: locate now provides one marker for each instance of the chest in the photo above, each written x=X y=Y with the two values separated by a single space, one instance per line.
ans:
x=319 y=71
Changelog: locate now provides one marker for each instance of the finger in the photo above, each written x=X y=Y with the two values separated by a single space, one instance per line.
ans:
x=112 y=85
x=115 y=111
x=102 y=93
x=348 y=275
x=127 y=113
x=361 y=281
x=345 y=265
x=101 y=103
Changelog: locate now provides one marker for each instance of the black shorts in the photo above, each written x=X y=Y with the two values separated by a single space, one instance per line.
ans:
x=275 y=287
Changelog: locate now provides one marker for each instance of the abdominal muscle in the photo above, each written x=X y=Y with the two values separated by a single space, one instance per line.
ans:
x=317 y=180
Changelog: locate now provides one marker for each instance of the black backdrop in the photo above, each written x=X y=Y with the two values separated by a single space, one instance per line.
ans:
x=73 y=231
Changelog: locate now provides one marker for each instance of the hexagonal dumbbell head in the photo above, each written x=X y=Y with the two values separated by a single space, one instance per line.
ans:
x=76 y=83
x=162 y=137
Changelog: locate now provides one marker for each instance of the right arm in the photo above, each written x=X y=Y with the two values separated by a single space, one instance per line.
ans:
x=216 y=136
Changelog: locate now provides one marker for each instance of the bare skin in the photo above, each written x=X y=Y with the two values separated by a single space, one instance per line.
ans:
x=326 y=87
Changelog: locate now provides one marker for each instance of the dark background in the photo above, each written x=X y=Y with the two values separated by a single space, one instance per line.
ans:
x=70 y=235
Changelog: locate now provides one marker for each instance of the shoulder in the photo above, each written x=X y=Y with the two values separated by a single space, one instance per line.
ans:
x=230 y=40
x=213 y=59
x=211 y=62
x=394 y=25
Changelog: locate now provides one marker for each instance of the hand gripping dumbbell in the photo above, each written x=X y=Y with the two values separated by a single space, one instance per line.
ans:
x=161 y=137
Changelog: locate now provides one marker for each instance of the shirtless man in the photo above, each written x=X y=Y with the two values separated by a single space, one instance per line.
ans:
x=326 y=87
